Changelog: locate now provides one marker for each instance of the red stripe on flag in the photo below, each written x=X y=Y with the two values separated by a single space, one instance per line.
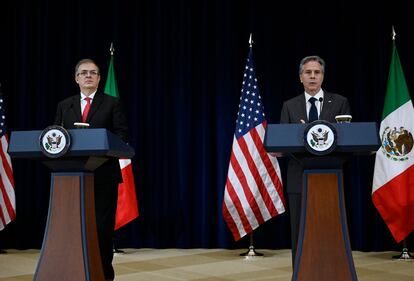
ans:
x=6 y=185
x=395 y=202
x=7 y=203
x=244 y=184
x=6 y=159
x=2 y=219
x=230 y=222
x=239 y=208
x=270 y=171
x=274 y=176
x=127 y=207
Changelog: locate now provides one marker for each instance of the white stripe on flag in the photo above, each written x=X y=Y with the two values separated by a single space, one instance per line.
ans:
x=384 y=172
x=238 y=188
x=231 y=208
x=271 y=188
x=124 y=162
x=5 y=145
x=262 y=170
x=4 y=178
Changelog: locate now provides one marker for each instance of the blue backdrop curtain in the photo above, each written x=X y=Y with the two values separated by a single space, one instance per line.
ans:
x=179 y=67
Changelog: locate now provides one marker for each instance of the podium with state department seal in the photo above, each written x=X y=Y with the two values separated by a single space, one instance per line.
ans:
x=70 y=249
x=324 y=250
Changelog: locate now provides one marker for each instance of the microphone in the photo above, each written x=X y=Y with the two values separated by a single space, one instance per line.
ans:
x=320 y=106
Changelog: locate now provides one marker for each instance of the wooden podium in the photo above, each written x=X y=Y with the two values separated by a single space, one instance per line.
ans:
x=70 y=249
x=323 y=251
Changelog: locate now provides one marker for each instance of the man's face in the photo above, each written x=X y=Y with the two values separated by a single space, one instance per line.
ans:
x=312 y=77
x=88 y=76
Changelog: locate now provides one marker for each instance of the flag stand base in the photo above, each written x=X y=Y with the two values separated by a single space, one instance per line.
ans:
x=119 y=251
x=405 y=255
x=251 y=253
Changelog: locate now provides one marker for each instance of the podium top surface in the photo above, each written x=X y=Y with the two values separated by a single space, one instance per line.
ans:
x=84 y=142
x=358 y=137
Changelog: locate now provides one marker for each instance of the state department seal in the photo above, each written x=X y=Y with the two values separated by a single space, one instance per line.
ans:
x=54 y=141
x=396 y=143
x=320 y=137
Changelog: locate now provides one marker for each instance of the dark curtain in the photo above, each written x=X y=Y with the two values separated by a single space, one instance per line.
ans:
x=179 y=67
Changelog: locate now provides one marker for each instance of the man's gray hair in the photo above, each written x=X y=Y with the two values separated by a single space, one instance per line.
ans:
x=311 y=58
x=82 y=61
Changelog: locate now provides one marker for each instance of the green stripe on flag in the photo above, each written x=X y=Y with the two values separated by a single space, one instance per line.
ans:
x=397 y=92
x=111 y=87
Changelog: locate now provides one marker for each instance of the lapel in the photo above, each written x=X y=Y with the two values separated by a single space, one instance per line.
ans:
x=326 y=106
x=97 y=100
x=77 y=108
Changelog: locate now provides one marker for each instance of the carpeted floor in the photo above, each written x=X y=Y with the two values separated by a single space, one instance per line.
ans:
x=211 y=264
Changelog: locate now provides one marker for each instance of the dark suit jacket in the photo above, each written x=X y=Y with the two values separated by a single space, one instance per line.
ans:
x=293 y=111
x=105 y=112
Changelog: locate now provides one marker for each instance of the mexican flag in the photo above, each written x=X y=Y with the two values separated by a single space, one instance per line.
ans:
x=127 y=207
x=393 y=184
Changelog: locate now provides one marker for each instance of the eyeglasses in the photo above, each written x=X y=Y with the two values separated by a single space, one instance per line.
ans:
x=85 y=73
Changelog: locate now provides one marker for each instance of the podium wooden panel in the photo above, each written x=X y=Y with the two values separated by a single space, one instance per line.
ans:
x=324 y=251
x=70 y=249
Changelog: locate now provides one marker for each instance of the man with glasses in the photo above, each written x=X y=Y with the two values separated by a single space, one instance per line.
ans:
x=99 y=111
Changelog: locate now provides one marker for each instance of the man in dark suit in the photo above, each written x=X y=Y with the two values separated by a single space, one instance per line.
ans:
x=314 y=104
x=100 y=111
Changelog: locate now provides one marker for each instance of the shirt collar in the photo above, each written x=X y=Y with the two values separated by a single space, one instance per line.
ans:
x=83 y=96
x=317 y=96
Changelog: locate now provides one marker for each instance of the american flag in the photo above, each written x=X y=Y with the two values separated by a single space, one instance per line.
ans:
x=7 y=197
x=253 y=192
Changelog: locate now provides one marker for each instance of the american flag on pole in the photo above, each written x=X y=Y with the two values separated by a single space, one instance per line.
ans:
x=253 y=192
x=7 y=196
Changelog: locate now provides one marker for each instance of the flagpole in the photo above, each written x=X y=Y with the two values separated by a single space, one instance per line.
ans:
x=115 y=240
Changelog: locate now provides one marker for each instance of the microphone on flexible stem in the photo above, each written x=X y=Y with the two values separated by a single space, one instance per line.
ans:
x=320 y=106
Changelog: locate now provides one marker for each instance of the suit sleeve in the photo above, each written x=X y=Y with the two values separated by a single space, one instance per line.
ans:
x=58 y=116
x=119 y=122
x=284 y=114
x=346 y=108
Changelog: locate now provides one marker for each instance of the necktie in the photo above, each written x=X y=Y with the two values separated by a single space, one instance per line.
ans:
x=86 y=109
x=313 y=112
